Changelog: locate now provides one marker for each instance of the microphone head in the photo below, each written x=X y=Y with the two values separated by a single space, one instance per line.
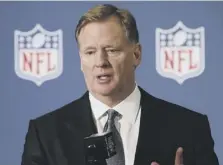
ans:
x=99 y=147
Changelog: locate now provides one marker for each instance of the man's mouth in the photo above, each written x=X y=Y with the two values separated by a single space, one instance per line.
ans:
x=104 y=78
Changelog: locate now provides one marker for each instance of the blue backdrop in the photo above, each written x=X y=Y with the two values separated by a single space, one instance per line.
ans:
x=22 y=100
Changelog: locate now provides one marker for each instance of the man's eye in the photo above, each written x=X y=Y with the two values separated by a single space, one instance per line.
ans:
x=112 y=51
x=89 y=53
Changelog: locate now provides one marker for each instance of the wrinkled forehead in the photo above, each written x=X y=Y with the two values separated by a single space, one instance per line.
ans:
x=101 y=42
x=104 y=33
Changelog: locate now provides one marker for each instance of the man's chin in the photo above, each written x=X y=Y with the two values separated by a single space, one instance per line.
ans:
x=106 y=91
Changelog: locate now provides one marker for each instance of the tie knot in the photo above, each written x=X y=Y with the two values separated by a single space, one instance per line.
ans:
x=112 y=114
x=111 y=119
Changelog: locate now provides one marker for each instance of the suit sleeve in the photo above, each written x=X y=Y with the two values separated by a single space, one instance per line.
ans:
x=33 y=152
x=204 y=144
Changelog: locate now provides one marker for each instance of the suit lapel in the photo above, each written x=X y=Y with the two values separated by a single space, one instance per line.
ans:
x=80 y=117
x=75 y=123
x=148 y=145
x=86 y=117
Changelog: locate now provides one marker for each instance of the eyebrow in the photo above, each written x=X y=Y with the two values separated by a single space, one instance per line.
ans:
x=104 y=46
x=112 y=45
x=87 y=48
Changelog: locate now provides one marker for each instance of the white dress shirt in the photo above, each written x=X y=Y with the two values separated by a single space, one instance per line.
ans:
x=129 y=124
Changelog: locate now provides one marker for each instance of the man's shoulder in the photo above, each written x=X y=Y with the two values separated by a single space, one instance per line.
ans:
x=171 y=109
x=62 y=111
x=177 y=110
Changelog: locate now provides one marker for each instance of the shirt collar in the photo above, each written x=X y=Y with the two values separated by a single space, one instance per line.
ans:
x=97 y=107
x=128 y=108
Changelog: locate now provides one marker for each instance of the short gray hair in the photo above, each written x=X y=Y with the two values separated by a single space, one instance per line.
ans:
x=102 y=12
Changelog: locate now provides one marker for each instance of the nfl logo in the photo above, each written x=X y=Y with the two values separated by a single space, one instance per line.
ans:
x=38 y=54
x=180 y=52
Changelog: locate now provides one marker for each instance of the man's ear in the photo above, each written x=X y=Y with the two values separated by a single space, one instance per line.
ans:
x=137 y=54
x=81 y=62
x=81 y=67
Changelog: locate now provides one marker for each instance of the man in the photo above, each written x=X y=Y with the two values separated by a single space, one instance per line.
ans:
x=152 y=131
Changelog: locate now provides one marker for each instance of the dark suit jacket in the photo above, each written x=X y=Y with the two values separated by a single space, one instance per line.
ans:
x=57 y=137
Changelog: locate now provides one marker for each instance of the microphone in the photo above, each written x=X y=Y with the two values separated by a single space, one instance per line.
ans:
x=98 y=148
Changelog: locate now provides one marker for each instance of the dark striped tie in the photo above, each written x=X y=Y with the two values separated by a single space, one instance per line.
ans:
x=119 y=158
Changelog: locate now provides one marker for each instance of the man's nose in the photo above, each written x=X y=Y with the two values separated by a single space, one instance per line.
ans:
x=101 y=59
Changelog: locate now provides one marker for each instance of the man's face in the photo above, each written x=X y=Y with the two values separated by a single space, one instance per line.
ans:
x=108 y=59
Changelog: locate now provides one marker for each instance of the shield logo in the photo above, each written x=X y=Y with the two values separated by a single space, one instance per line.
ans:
x=38 y=54
x=180 y=52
